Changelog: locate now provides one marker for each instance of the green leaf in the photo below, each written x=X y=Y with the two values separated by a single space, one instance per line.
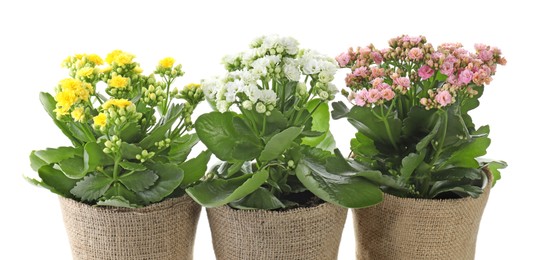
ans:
x=159 y=133
x=50 y=156
x=94 y=156
x=321 y=116
x=423 y=143
x=129 y=151
x=169 y=178
x=49 y=104
x=195 y=168
x=409 y=164
x=448 y=186
x=92 y=187
x=259 y=199
x=347 y=191
x=493 y=167
x=218 y=192
x=56 y=181
x=119 y=190
x=419 y=121
x=73 y=167
x=340 y=110
x=227 y=137
x=279 y=143
x=139 y=180
x=131 y=166
x=181 y=147
x=117 y=201
x=363 y=145
x=275 y=122
x=365 y=120
x=131 y=133
x=465 y=156
x=457 y=174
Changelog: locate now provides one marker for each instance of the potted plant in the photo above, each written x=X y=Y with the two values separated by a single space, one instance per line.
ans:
x=121 y=182
x=272 y=110
x=416 y=139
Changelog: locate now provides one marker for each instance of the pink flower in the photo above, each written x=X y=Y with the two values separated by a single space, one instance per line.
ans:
x=360 y=72
x=377 y=72
x=377 y=81
x=373 y=95
x=387 y=94
x=364 y=51
x=447 y=68
x=415 y=39
x=377 y=57
x=443 y=98
x=360 y=98
x=343 y=59
x=485 y=55
x=383 y=86
x=402 y=81
x=465 y=77
x=425 y=72
x=415 y=54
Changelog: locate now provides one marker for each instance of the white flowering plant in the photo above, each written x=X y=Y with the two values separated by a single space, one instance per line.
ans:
x=129 y=144
x=272 y=110
x=410 y=105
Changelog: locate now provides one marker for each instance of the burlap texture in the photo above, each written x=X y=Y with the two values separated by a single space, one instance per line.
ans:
x=163 y=231
x=414 y=229
x=303 y=233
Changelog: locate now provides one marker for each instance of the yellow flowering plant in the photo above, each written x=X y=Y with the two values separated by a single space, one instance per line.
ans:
x=129 y=144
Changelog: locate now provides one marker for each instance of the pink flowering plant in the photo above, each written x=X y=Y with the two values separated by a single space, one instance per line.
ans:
x=130 y=133
x=410 y=105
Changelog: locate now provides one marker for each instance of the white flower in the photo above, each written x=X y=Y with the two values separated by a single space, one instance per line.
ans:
x=290 y=45
x=247 y=104
x=332 y=89
x=310 y=66
x=211 y=87
x=232 y=60
x=252 y=92
x=260 y=108
x=222 y=106
x=292 y=72
x=268 y=96
x=325 y=76
x=324 y=95
x=328 y=65
x=301 y=89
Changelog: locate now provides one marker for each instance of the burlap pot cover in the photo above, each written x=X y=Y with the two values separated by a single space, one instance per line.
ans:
x=413 y=229
x=303 y=233
x=165 y=230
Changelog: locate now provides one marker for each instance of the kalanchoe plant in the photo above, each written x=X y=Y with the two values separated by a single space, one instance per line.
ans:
x=130 y=145
x=272 y=110
x=410 y=107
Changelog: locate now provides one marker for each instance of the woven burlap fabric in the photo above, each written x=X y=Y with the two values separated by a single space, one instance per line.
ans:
x=163 y=231
x=414 y=229
x=304 y=233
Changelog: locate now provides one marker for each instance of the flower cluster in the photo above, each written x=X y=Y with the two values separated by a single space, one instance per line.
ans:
x=410 y=107
x=127 y=137
x=257 y=78
x=410 y=65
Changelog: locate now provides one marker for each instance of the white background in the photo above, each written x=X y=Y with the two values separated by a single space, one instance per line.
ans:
x=35 y=36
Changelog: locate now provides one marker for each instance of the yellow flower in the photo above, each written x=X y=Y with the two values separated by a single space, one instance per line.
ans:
x=192 y=86
x=119 y=57
x=78 y=114
x=61 y=111
x=106 y=69
x=64 y=101
x=70 y=84
x=119 y=103
x=99 y=120
x=94 y=58
x=138 y=70
x=118 y=82
x=85 y=72
x=166 y=62
x=111 y=57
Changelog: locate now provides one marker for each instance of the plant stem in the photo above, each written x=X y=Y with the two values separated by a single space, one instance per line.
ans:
x=116 y=168
x=442 y=136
